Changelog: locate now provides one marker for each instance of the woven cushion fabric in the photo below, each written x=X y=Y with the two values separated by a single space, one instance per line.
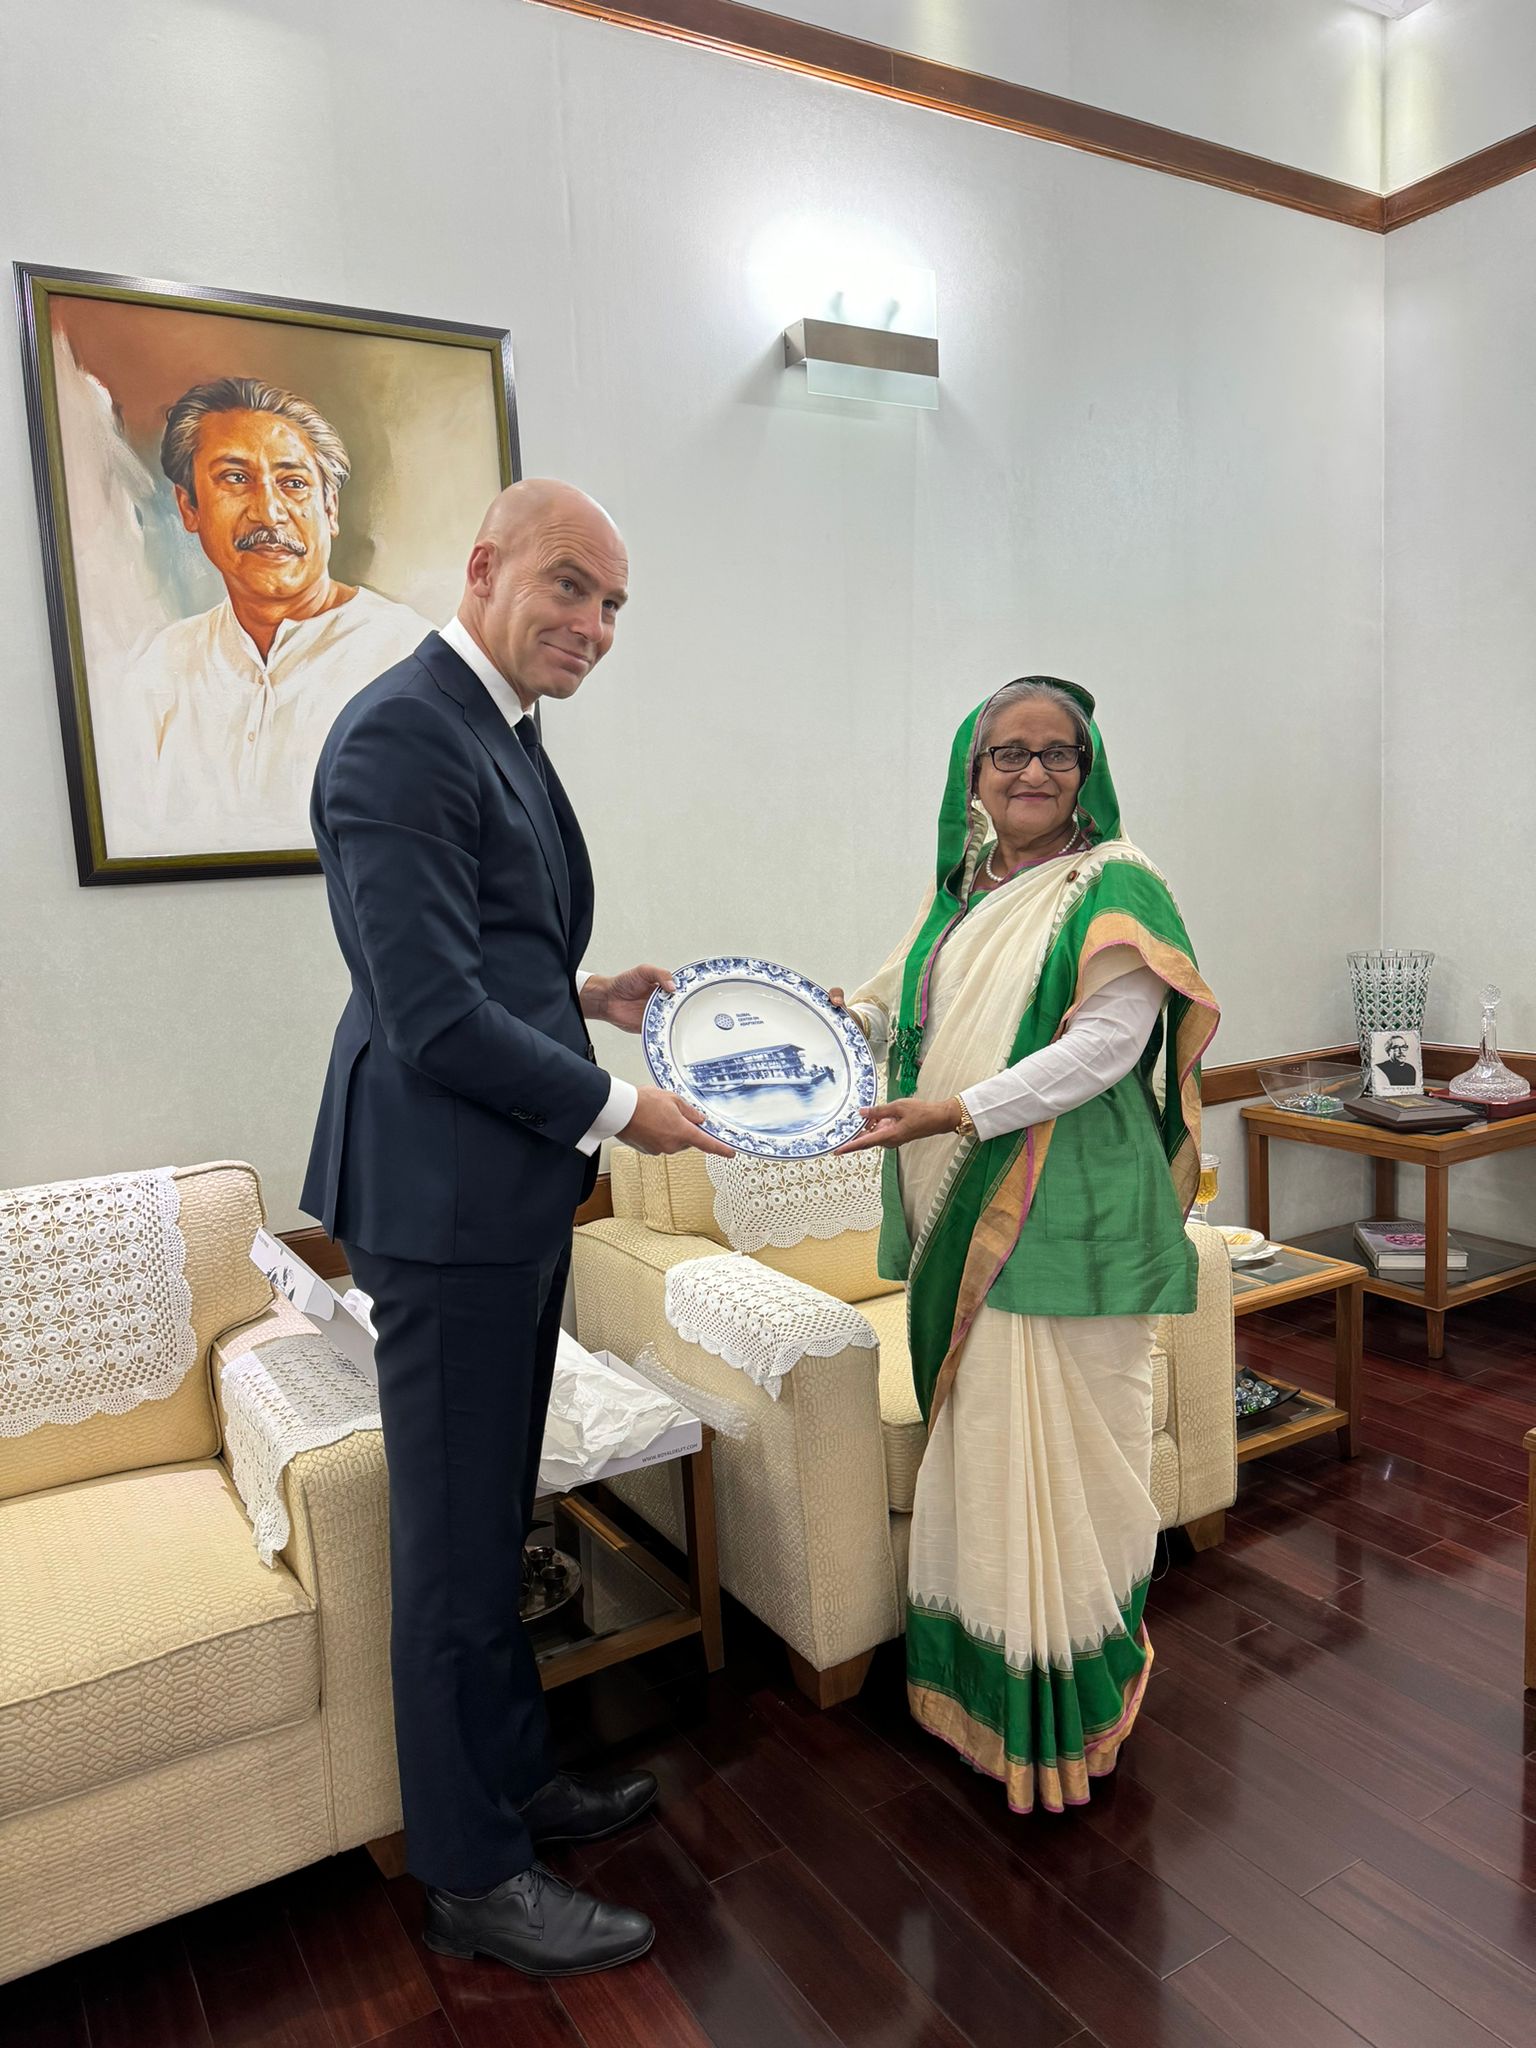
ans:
x=902 y=1433
x=677 y=1196
x=1159 y=1388
x=1164 y=1486
x=140 y=1626
x=80 y=1872
x=624 y=1189
x=843 y=1267
x=901 y=1547
x=221 y=1212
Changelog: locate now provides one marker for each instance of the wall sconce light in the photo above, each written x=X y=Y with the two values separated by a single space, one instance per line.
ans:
x=874 y=338
x=844 y=361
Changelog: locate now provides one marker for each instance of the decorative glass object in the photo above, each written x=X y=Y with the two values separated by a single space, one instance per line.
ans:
x=1389 y=988
x=1489 y=1080
x=1312 y=1087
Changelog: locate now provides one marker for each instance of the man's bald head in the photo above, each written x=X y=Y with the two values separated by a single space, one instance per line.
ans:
x=547 y=577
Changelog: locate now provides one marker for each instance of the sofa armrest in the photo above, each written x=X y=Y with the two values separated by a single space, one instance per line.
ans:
x=338 y=1550
x=1202 y=1367
x=804 y=1523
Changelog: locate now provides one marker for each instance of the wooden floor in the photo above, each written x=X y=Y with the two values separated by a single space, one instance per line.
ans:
x=1323 y=1831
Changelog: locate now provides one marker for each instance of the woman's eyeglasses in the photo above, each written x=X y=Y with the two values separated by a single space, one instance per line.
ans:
x=1012 y=758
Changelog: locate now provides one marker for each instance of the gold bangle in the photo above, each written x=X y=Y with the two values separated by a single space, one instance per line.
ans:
x=966 y=1127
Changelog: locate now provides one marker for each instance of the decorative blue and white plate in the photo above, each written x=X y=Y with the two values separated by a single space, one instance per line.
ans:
x=761 y=1051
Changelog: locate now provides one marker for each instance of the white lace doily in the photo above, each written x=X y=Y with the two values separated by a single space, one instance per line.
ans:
x=760 y=1321
x=293 y=1395
x=782 y=1201
x=95 y=1311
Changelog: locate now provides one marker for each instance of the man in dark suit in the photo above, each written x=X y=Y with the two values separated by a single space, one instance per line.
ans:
x=457 y=1135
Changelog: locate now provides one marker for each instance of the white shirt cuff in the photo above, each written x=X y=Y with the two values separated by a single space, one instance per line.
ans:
x=582 y=978
x=875 y=1023
x=623 y=1099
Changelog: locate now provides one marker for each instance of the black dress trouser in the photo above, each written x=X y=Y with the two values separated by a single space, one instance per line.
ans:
x=465 y=1358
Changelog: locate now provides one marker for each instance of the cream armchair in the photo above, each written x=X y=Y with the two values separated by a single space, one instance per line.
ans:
x=178 y=1722
x=815 y=1502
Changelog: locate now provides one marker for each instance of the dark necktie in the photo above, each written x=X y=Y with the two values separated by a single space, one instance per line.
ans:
x=528 y=736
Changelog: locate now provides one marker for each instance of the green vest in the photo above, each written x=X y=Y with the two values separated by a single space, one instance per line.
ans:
x=1104 y=1235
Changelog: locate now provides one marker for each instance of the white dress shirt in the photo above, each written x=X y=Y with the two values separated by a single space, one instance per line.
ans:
x=623 y=1096
x=224 y=743
x=1105 y=1039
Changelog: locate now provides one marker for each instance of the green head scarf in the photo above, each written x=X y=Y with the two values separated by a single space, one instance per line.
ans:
x=962 y=834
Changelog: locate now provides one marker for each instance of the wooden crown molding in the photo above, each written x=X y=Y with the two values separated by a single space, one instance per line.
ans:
x=767 y=38
x=1480 y=172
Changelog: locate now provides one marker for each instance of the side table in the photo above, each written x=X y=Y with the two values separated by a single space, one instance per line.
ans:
x=1296 y=1275
x=630 y=1600
x=1492 y=1264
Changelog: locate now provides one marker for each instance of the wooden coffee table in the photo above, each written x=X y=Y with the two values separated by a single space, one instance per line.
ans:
x=1295 y=1274
x=1492 y=1264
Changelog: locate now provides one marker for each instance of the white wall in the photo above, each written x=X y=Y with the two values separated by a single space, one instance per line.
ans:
x=1157 y=468
x=1299 y=81
x=1460 y=811
x=1459 y=75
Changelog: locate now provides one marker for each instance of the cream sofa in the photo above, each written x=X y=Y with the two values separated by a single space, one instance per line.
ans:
x=815 y=1502
x=178 y=1722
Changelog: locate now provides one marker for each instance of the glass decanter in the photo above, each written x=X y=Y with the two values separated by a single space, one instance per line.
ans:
x=1489 y=1080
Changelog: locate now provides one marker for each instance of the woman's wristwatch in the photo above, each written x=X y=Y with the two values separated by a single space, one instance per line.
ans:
x=966 y=1127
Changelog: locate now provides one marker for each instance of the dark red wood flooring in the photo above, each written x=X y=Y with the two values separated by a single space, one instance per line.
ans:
x=1322 y=1834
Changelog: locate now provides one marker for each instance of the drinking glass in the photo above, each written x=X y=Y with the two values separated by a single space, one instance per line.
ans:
x=1205 y=1193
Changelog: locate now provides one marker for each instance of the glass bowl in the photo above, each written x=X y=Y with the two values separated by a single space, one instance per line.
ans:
x=1312 y=1087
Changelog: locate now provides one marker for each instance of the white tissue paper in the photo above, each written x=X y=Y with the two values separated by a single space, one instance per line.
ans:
x=603 y=1420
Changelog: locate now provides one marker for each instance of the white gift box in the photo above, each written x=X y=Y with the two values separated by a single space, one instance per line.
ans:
x=342 y=1318
x=605 y=1419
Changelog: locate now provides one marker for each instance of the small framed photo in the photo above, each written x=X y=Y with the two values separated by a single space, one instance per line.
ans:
x=1397 y=1063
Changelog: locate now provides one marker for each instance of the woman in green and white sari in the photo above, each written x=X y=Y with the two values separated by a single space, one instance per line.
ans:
x=1045 y=1019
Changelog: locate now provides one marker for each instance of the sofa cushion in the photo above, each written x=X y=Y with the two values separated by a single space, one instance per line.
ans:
x=677 y=1197
x=902 y=1430
x=220 y=1213
x=843 y=1267
x=140 y=1626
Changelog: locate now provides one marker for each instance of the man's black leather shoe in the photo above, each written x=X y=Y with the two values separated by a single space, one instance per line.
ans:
x=572 y=1808
x=538 y=1924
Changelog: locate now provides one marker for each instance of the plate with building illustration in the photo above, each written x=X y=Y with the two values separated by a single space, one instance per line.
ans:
x=761 y=1052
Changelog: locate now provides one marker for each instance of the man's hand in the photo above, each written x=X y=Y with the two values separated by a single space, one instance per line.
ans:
x=620 y=999
x=898 y=1123
x=663 y=1122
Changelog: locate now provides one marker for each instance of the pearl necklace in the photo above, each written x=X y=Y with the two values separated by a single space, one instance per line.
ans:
x=1076 y=844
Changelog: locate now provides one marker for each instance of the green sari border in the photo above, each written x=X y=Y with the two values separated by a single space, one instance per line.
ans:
x=1044 y=1714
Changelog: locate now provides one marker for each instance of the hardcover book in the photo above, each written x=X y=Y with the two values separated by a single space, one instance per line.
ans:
x=1399 y=1247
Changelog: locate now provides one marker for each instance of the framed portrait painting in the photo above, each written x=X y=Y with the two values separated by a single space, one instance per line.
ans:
x=250 y=507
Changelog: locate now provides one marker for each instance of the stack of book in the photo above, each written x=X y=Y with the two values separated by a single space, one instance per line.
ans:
x=1398 y=1247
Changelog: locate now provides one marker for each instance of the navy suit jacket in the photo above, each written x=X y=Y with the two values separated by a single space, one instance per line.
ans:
x=461 y=1075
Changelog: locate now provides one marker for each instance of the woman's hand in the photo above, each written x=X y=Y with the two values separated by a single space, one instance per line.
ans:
x=898 y=1123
